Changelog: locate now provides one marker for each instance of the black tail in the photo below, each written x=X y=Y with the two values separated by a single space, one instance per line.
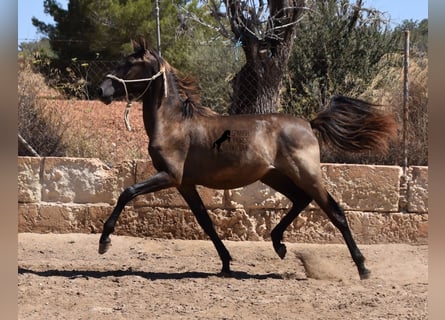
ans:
x=355 y=125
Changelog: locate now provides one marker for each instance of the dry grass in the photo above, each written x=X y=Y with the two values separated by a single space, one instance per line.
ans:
x=97 y=130
x=40 y=126
x=387 y=89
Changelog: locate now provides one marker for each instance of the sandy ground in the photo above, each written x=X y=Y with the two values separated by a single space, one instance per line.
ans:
x=63 y=277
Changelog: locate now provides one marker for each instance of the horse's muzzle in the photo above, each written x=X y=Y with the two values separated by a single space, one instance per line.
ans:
x=105 y=92
x=104 y=99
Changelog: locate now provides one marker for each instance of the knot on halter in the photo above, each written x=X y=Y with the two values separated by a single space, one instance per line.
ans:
x=127 y=98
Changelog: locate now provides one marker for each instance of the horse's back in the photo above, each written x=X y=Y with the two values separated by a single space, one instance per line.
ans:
x=237 y=150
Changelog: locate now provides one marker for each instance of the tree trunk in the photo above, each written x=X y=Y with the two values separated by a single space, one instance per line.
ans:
x=256 y=87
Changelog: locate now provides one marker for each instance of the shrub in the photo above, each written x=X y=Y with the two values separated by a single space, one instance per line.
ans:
x=387 y=89
x=40 y=126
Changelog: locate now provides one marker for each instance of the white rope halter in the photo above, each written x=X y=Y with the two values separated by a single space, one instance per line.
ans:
x=129 y=102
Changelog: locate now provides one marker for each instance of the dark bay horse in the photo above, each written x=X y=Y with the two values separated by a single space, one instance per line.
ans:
x=192 y=145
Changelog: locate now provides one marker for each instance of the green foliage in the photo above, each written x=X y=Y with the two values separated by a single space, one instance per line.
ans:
x=338 y=50
x=37 y=51
x=418 y=35
x=214 y=64
x=69 y=36
x=91 y=30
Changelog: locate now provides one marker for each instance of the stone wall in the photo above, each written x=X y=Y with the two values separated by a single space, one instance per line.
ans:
x=63 y=195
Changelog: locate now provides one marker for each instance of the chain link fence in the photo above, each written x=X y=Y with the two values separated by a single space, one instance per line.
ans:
x=213 y=64
x=215 y=67
x=87 y=75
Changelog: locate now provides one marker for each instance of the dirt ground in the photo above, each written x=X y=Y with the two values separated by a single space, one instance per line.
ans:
x=63 y=277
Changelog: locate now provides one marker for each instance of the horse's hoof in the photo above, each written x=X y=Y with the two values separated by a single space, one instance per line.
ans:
x=281 y=250
x=225 y=274
x=104 y=246
x=225 y=271
x=365 y=274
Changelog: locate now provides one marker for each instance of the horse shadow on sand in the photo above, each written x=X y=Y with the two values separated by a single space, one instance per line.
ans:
x=86 y=274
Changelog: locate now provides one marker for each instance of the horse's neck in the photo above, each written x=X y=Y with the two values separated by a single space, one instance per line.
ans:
x=159 y=111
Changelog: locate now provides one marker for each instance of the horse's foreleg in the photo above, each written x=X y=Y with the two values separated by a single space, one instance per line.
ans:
x=299 y=198
x=157 y=182
x=195 y=203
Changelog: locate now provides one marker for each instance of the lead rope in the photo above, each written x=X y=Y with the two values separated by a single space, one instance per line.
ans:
x=129 y=105
x=126 y=116
x=129 y=102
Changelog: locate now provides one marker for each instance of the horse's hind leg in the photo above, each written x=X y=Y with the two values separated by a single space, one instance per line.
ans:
x=300 y=161
x=338 y=218
x=195 y=203
x=308 y=178
x=299 y=198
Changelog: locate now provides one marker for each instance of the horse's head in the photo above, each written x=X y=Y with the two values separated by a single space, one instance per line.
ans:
x=133 y=76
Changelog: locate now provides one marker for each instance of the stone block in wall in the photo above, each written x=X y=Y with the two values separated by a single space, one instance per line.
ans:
x=418 y=190
x=256 y=195
x=62 y=217
x=27 y=217
x=52 y=218
x=28 y=178
x=364 y=188
x=235 y=224
x=125 y=175
x=73 y=195
x=264 y=220
x=390 y=228
x=355 y=187
x=312 y=226
x=78 y=180
x=159 y=222
x=163 y=198
x=171 y=197
x=180 y=223
x=97 y=215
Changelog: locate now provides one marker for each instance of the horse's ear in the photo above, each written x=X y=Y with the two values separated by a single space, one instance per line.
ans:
x=139 y=46
x=136 y=45
x=143 y=43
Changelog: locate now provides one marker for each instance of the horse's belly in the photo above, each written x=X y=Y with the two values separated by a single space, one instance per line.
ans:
x=225 y=177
